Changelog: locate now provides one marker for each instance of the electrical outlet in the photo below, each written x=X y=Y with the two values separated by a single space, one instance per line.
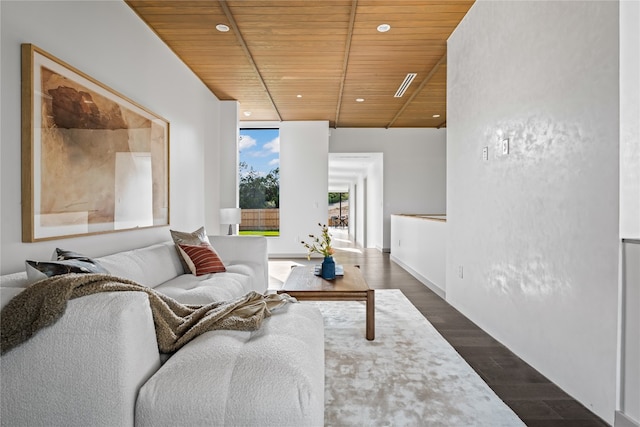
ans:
x=460 y=272
x=485 y=153
x=505 y=146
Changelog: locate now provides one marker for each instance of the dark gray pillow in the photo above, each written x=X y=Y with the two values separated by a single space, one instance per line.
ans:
x=66 y=262
x=62 y=254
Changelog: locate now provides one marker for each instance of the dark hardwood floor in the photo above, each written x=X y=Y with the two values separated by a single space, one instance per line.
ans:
x=536 y=400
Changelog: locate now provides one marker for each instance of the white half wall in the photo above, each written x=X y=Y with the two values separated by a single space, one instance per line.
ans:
x=419 y=245
x=414 y=171
x=536 y=229
x=106 y=40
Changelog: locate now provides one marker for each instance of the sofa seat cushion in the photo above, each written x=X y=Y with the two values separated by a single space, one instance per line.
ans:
x=235 y=282
x=270 y=377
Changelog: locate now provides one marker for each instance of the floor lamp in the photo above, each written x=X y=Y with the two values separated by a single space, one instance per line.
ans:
x=231 y=216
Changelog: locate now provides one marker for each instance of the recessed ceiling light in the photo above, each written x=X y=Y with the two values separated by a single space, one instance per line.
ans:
x=222 y=28
x=247 y=113
x=359 y=99
x=299 y=96
x=436 y=116
x=383 y=28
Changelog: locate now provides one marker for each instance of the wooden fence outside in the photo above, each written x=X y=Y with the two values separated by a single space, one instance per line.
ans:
x=260 y=220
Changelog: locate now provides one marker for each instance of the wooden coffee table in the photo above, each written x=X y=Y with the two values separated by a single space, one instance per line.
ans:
x=304 y=285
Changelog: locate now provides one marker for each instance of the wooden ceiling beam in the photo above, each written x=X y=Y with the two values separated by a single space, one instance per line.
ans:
x=245 y=48
x=345 y=62
x=418 y=90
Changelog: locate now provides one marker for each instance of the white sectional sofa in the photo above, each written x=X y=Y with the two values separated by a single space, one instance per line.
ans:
x=99 y=365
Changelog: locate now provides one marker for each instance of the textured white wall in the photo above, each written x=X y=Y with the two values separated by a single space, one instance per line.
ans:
x=537 y=230
x=106 y=40
x=414 y=168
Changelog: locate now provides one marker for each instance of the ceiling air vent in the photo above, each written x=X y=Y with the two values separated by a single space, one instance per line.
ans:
x=404 y=85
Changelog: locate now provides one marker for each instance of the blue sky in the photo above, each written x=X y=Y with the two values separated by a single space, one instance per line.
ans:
x=260 y=148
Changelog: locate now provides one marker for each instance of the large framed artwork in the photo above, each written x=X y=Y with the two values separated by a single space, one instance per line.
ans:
x=93 y=161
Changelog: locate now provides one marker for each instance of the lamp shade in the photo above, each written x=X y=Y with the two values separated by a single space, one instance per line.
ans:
x=230 y=215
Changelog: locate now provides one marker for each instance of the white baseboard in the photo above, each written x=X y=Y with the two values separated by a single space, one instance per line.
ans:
x=621 y=420
x=428 y=283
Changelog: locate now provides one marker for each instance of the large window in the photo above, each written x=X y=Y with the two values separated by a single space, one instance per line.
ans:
x=260 y=181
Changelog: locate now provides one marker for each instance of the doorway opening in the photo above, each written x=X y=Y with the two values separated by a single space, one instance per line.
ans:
x=339 y=209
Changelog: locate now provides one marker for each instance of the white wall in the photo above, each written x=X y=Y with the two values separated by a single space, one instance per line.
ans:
x=629 y=119
x=537 y=230
x=629 y=357
x=414 y=170
x=304 y=185
x=356 y=228
x=375 y=205
x=366 y=203
x=106 y=40
x=629 y=386
x=227 y=173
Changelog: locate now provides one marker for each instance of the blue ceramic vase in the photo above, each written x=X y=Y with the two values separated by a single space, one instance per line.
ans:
x=328 y=268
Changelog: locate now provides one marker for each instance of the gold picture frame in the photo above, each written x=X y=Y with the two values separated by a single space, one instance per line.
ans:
x=93 y=161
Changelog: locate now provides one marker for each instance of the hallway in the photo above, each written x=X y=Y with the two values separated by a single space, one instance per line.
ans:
x=536 y=400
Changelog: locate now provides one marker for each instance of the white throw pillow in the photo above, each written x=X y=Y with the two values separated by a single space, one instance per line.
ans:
x=184 y=238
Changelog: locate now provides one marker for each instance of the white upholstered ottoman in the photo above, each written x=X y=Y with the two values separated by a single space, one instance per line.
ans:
x=270 y=377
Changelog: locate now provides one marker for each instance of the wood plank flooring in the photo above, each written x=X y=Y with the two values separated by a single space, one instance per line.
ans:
x=536 y=400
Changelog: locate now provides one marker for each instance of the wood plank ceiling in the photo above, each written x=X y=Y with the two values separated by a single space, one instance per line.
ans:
x=313 y=59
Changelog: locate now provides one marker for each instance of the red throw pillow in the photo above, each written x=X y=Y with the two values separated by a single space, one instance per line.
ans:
x=201 y=259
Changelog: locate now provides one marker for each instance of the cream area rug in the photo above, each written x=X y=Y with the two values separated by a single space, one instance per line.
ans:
x=409 y=376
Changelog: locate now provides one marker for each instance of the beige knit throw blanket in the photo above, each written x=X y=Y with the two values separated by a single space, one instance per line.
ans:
x=44 y=302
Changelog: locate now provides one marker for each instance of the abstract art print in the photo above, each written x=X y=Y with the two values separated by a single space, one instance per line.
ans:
x=93 y=161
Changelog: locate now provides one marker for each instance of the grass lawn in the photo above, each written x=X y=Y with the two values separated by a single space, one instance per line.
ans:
x=260 y=233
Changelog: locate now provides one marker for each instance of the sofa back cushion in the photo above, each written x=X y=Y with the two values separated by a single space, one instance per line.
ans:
x=148 y=266
x=14 y=280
